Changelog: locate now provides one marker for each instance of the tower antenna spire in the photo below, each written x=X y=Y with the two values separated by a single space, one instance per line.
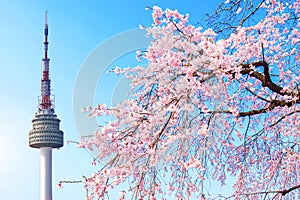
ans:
x=46 y=103
x=46 y=35
x=46 y=17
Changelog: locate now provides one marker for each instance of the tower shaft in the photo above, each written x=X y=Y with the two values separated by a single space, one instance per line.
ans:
x=46 y=173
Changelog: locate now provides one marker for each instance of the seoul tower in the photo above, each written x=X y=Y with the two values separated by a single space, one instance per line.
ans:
x=45 y=134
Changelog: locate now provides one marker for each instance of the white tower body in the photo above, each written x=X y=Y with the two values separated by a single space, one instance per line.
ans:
x=45 y=134
x=46 y=173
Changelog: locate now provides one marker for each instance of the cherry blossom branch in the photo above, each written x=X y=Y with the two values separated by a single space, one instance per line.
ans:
x=260 y=132
x=171 y=21
x=77 y=181
x=138 y=185
x=70 y=182
x=276 y=192
x=284 y=116
x=265 y=79
x=155 y=142
x=230 y=15
x=254 y=94
x=272 y=105
x=251 y=13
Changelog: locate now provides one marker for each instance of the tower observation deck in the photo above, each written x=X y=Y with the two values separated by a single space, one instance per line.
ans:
x=46 y=134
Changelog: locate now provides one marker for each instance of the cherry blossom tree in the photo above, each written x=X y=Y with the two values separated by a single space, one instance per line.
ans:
x=212 y=103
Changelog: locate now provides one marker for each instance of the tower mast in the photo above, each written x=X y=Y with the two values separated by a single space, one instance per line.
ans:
x=45 y=134
x=45 y=84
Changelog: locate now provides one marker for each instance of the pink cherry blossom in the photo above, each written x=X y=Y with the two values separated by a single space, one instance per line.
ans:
x=207 y=107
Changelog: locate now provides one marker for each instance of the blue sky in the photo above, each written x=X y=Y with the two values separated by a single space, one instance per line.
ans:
x=76 y=28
